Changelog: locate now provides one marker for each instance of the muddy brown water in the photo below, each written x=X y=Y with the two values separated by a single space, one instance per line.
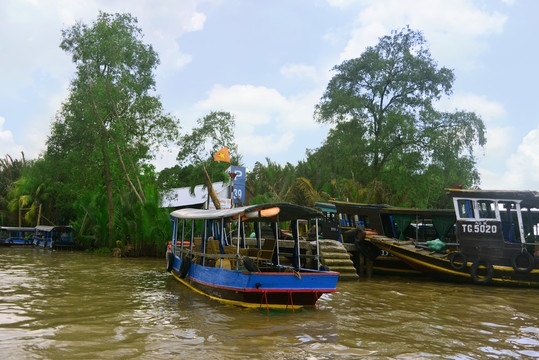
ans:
x=75 y=305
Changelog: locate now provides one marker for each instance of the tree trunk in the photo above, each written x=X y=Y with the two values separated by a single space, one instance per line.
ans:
x=110 y=197
x=211 y=191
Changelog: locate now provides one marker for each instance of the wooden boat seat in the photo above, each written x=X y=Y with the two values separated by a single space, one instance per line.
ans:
x=265 y=254
x=212 y=246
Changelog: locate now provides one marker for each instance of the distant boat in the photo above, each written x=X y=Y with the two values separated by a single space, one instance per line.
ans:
x=208 y=254
x=495 y=240
x=16 y=236
x=54 y=237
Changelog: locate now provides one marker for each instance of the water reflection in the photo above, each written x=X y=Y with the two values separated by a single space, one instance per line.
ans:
x=70 y=304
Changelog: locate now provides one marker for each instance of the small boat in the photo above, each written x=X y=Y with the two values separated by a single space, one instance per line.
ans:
x=218 y=264
x=54 y=237
x=16 y=236
x=495 y=240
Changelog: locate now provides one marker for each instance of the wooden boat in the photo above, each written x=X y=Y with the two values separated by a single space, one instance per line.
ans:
x=495 y=240
x=218 y=264
x=356 y=220
x=16 y=236
x=54 y=237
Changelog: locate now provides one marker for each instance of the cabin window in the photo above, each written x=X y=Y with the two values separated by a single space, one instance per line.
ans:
x=510 y=222
x=486 y=209
x=465 y=208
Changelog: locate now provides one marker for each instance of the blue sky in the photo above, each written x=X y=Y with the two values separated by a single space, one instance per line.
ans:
x=269 y=61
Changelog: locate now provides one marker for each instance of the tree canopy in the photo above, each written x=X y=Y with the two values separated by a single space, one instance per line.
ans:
x=107 y=128
x=387 y=130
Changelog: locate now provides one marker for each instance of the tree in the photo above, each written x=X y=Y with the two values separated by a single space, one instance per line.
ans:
x=110 y=121
x=30 y=192
x=197 y=148
x=214 y=131
x=270 y=183
x=385 y=101
x=10 y=171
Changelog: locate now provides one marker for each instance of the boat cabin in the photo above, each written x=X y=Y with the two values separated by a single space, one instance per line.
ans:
x=16 y=235
x=419 y=225
x=54 y=237
x=329 y=224
x=496 y=225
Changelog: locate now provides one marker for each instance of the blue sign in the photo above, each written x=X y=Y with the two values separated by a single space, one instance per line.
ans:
x=239 y=194
x=239 y=183
x=240 y=174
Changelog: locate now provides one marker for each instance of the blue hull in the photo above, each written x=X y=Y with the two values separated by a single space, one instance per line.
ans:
x=259 y=289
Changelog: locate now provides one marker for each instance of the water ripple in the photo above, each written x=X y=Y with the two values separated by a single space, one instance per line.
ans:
x=76 y=305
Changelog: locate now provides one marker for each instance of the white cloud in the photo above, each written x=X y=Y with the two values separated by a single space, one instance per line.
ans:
x=301 y=71
x=39 y=71
x=266 y=121
x=490 y=111
x=456 y=30
x=523 y=164
x=7 y=143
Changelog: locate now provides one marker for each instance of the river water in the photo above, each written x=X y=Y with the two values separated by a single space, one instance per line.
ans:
x=75 y=305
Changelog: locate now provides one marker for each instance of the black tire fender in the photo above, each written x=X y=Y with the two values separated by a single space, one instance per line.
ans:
x=456 y=258
x=482 y=279
x=170 y=261
x=250 y=264
x=526 y=256
x=185 y=267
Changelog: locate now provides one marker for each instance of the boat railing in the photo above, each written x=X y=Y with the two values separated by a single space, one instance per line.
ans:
x=249 y=252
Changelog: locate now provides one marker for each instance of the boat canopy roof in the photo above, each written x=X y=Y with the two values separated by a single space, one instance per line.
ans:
x=359 y=208
x=14 y=228
x=48 y=228
x=274 y=212
x=528 y=198
x=326 y=207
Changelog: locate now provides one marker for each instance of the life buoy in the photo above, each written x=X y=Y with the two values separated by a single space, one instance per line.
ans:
x=250 y=264
x=170 y=261
x=478 y=278
x=184 y=267
x=520 y=257
x=457 y=260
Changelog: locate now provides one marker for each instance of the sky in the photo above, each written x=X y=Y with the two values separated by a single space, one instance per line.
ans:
x=268 y=62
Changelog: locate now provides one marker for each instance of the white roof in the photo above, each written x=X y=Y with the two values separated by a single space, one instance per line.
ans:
x=208 y=214
x=182 y=196
x=284 y=212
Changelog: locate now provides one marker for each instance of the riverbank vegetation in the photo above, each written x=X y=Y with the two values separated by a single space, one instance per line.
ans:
x=387 y=143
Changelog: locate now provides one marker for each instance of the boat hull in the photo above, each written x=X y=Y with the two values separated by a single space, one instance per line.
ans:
x=392 y=265
x=276 y=290
x=440 y=266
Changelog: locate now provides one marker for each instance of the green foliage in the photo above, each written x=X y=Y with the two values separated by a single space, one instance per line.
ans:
x=109 y=126
x=271 y=183
x=388 y=138
x=214 y=131
x=10 y=171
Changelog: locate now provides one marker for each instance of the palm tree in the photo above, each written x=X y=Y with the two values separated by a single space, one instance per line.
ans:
x=27 y=196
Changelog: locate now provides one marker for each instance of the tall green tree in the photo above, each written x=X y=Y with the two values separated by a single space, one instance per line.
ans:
x=112 y=121
x=10 y=171
x=271 y=182
x=213 y=132
x=197 y=148
x=384 y=101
